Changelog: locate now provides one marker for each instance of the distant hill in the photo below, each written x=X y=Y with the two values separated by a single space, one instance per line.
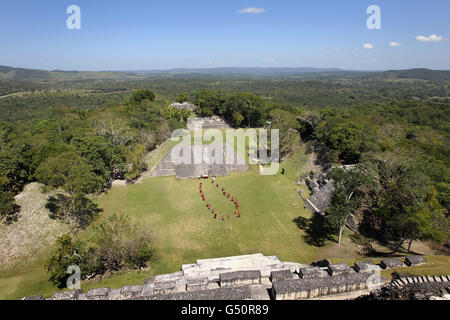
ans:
x=10 y=73
x=422 y=73
x=238 y=71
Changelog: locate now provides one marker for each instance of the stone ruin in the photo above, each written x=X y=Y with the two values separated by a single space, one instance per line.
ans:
x=254 y=277
x=213 y=122
x=412 y=287
x=229 y=161
x=184 y=105
x=322 y=189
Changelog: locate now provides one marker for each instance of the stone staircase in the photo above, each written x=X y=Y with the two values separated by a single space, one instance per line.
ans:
x=403 y=280
x=165 y=168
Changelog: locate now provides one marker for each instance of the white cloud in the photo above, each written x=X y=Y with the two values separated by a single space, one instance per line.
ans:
x=269 y=60
x=337 y=49
x=430 y=38
x=394 y=44
x=252 y=10
x=368 y=46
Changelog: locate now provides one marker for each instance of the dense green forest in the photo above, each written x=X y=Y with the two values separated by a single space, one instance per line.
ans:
x=78 y=136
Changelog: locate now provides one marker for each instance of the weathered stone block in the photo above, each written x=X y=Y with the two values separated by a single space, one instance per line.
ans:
x=315 y=287
x=98 y=294
x=281 y=275
x=128 y=292
x=169 y=277
x=165 y=287
x=414 y=260
x=195 y=284
x=366 y=266
x=313 y=272
x=339 y=269
x=391 y=263
x=148 y=289
x=240 y=278
x=114 y=294
x=227 y=293
x=67 y=295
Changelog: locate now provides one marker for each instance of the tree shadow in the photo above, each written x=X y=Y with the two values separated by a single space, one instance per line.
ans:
x=372 y=228
x=315 y=228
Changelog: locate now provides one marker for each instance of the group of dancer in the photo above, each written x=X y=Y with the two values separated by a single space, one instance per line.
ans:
x=227 y=194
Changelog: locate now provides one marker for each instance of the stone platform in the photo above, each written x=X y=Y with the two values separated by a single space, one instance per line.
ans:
x=252 y=277
x=210 y=162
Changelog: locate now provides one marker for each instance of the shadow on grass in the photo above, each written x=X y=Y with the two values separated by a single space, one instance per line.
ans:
x=316 y=232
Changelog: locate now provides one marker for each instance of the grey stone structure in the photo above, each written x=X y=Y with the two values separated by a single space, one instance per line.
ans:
x=98 y=294
x=240 y=278
x=196 y=284
x=210 y=163
x=250 y=277
x=320 y=193
x=414 y=260
x=184 y=105
x=227 y=293
x=391 y=263
x=366 y=266
x=316 y=287
x=282 y=275
x=339 y=269
x=313 y=272
x=213 y=122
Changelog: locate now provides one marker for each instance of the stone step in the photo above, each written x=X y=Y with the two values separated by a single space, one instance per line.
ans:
x=398 y=283
x=164 y=173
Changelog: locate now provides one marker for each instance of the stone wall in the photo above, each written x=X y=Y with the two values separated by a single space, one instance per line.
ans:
x=206 y=123
x=252 y=277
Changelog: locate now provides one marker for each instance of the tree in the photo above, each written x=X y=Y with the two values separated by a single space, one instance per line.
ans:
x=69 y=171
x=339 y=211
x=98 y=152
x=75 y=209
x=69 y=252
x=8 y=207
x=351 y=188
x=182 y=98
x=348 y=138
x=407 y=206
x=116 y=131
x=209 y=103
x=119 y=244
x=309 y=123
x=289 y=136
x=141 y=95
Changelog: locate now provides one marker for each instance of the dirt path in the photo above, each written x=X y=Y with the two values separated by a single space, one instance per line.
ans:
x=14 y=94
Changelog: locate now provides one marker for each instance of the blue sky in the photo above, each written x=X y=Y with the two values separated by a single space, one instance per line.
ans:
x=147 y=34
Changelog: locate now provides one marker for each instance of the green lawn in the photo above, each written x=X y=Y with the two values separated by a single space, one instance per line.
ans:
x=184 y=229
